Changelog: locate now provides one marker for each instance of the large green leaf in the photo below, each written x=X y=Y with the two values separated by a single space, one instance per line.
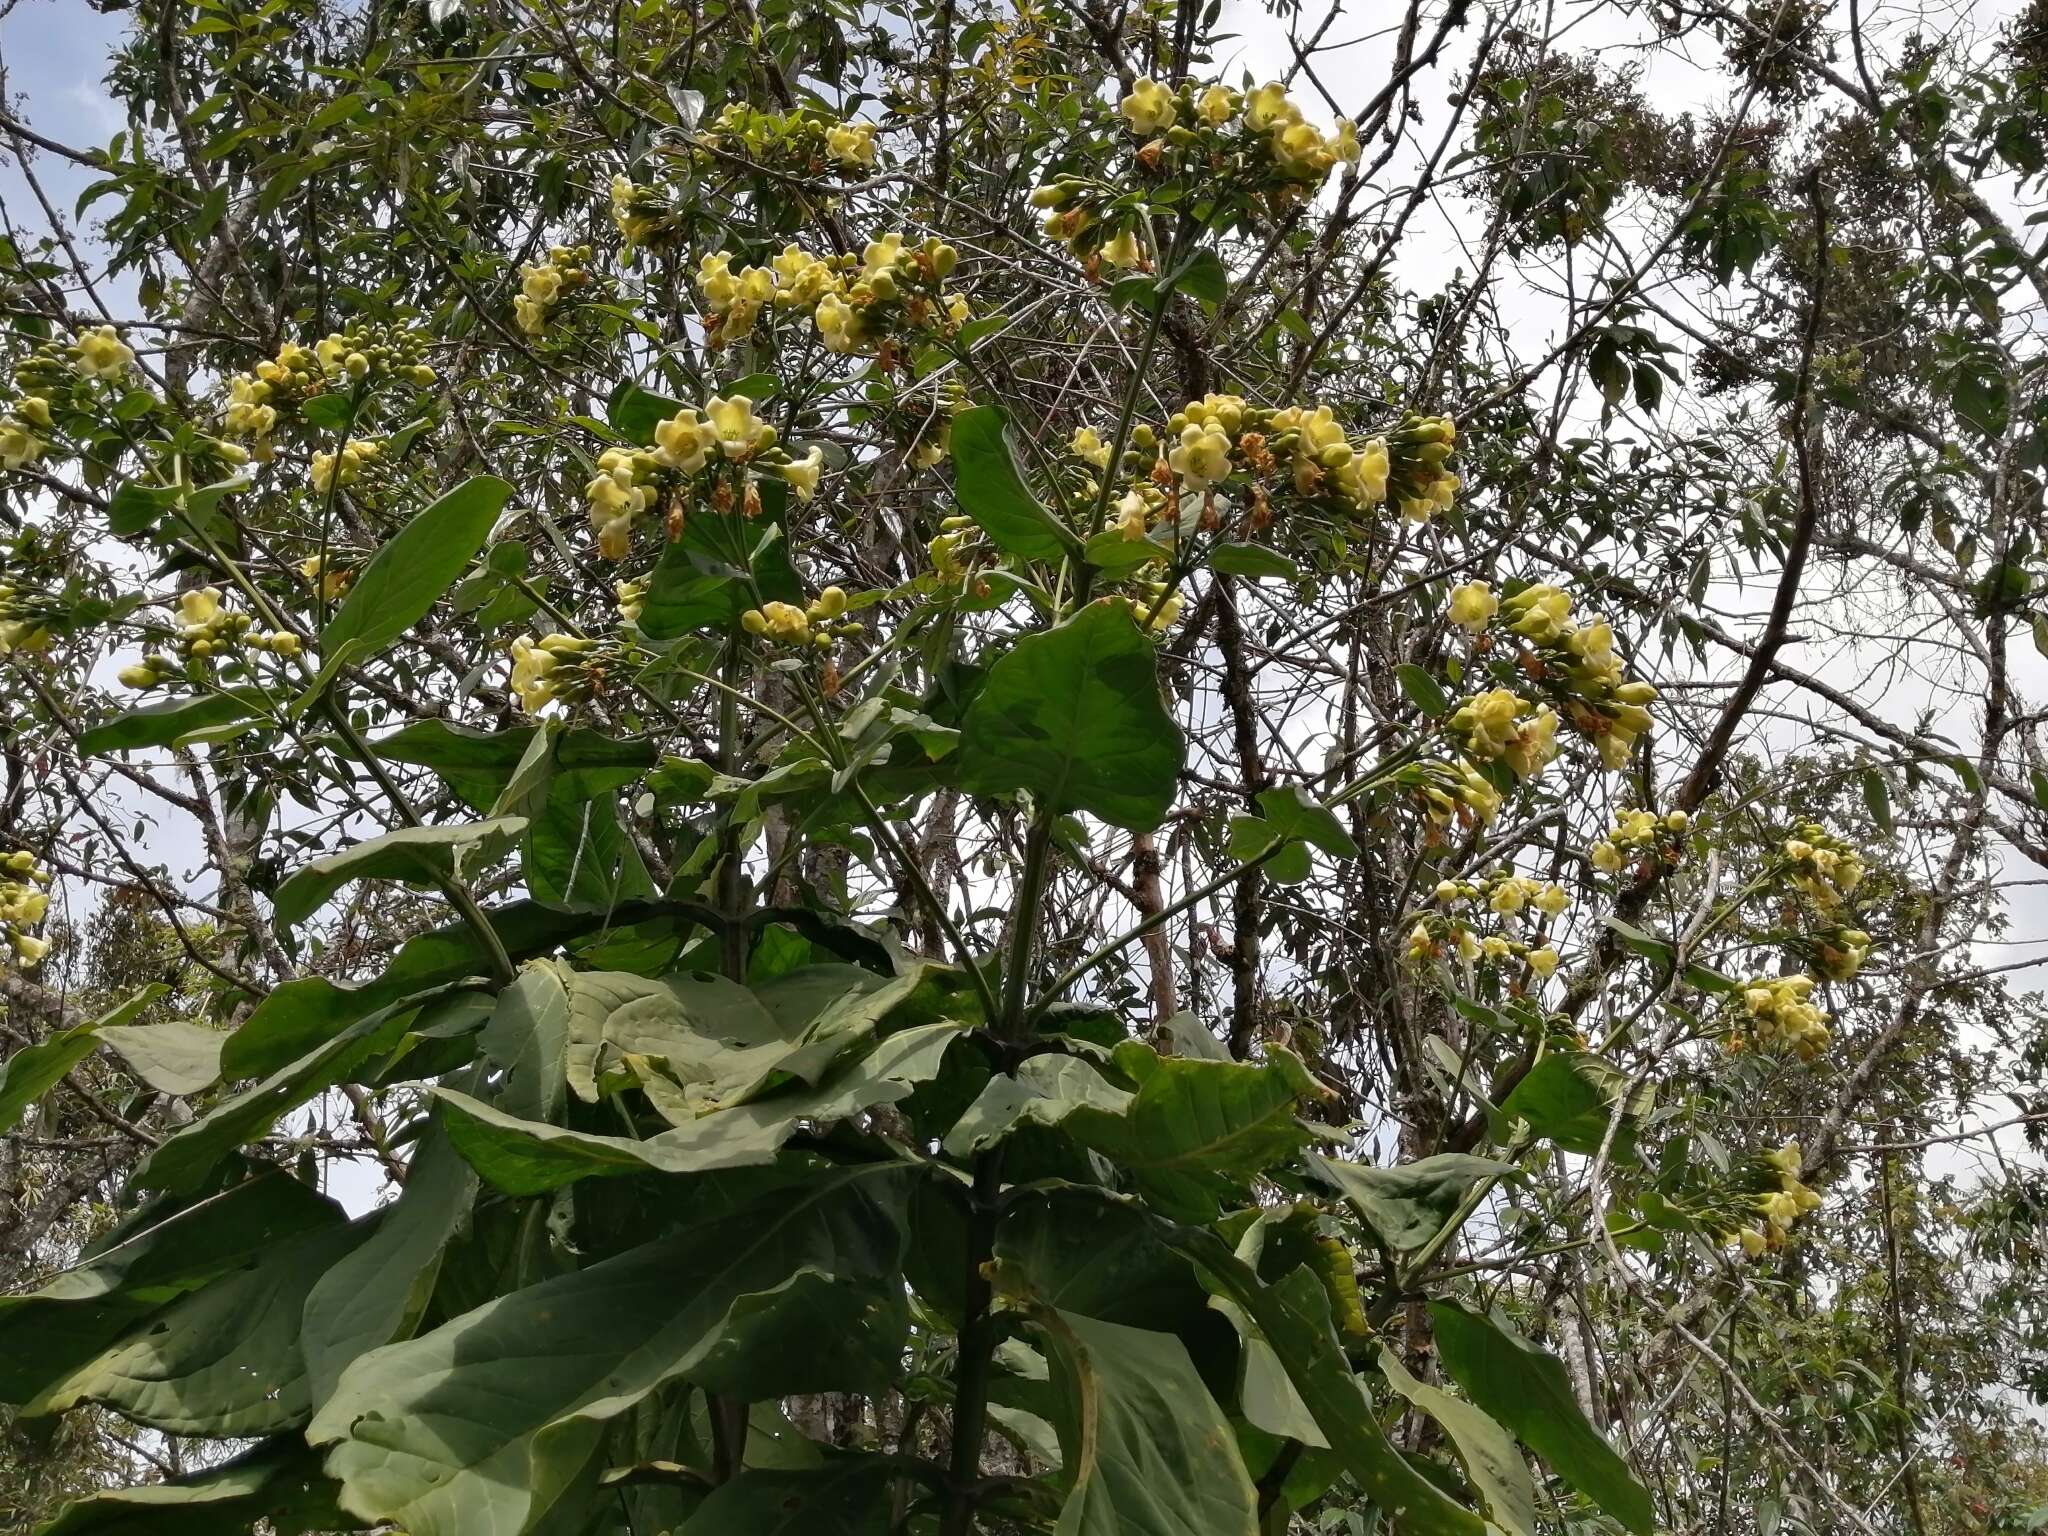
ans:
x=1074 y=715
x=47 y=1333
x=408 y=574
x=379 y=1292
x=993 y=493
x=1525 y=1387
x=223 y=1360
x=848 y=1496
x=279 y=1482
x=702 y=580
x=529 y=1157
x=480 y=1424
x=1492 y=1465
x=1569 y=1098
x=173 y=1057
x=1294 y=1319
x=420 y=855
x=1145 y=1448
x=160 y=724
x=1408 y=1205
x=1079 y=1252
x=528 y=1037
x=182 y=1160
x=1043 y=1090
x=34 y=1070
x=1266 y=1394
x=1196 y=1130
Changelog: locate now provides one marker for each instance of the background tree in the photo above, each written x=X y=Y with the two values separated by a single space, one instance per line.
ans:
x=948 y=768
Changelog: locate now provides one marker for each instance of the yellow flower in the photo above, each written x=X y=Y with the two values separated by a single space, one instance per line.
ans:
x=851 y=144
x=683 y=442
x=198 y=609
x=741 y=434
x=1488 y=720
x=1541 y=613
x=138 y=676
x=1215 y=105
x=102 y=354
x=1542 y=961
x=542 y=284
x=1344 y=141
x=1606 y=857
x=1300 y=149
x=802 y=476
x=29 y=948
x=1088 y=445
x=1122 y=250
x=532 y=666
x=1203 y=457
x=35 y=410
x=838 y=322
x=1149 y=109
x=1473 y=605
x=1268 y=106
x=330 y=352
x=1131 y=515
x=715 y=280
x=881 y=254
x=1552 y=900
x=18 y=445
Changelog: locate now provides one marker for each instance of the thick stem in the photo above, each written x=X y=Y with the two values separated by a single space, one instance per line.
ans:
x=977 y=1350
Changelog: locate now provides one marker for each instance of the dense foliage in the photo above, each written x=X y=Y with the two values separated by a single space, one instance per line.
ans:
x=882 y=767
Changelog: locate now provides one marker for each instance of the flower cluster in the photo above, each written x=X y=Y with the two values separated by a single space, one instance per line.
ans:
x=1574 y=663
x=1778 y=1207
x=688 y=447
x=1500 y=725
x=643 y=215
x=1257 y=150
x=556 y=667
x=1222 y=439
x=23 y=901
x=205 y=630
x=368 y=352
x=1781 y=1015
x=1636 y=831
x=1505 y=894
x=24 y=622
x=543 y=284
x=817 y=625
x=1822 y=866
x=1454 y=791
x=20 y=445
x=859 y=304
x=344 y=465
x=330 y=582
x=802 y=142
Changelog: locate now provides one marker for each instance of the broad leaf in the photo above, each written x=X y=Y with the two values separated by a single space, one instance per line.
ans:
x=223 y=1360
x=529 y=1157
x=182 y=1161
x=1074 y=715
x=1525 y=1387
x=408 y=574
x=1043 y=1090
x=1492 y=1465
x=47 y=1333
x=174 y=1057
x=993 y=493
x=1294 y=1319
x=1408 y=1205
x=1570 y=1098
x=34 y=1070
x=477 y=1425
x=379 y=1292
x=1145 y=1448
x=848 y=1496
x=279 y=1482
x=419 y=855
x=160 y=724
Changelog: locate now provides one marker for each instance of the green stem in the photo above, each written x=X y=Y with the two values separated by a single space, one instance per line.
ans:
x=976 y=1357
